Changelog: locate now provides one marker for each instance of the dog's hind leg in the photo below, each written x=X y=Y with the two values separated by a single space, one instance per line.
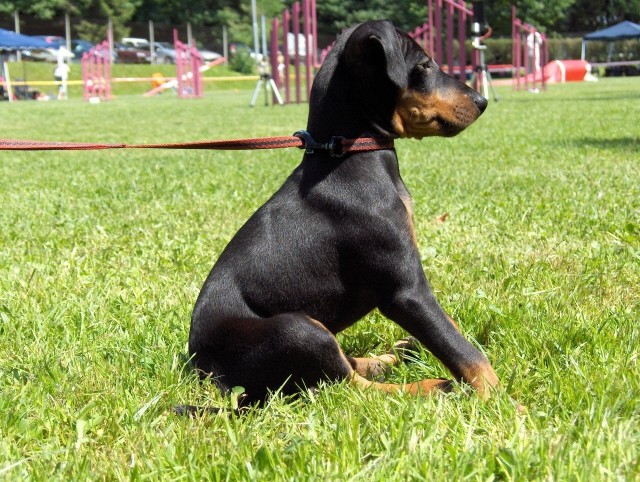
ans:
x=366 y=369
x=288 y=352
x=422 y=387
x=285 y=352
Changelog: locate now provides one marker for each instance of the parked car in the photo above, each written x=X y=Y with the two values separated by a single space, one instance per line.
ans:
x=139 y=43
x=209 y=55
x=79 y=47
x=54 y=40
x=51 y=54
x=164 y=53
x=128 y=54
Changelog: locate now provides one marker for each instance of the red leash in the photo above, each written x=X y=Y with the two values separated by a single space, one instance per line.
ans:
x=337 y=146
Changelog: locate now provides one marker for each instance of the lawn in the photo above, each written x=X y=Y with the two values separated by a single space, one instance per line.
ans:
x=102 y=255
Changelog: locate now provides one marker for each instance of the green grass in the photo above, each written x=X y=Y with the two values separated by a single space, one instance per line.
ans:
x=102 y=255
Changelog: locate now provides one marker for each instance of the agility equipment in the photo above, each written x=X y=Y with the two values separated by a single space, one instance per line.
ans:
x=188 y=73
x=295 y=30
x=530 y=53
x=443 y=35
x=96 y=73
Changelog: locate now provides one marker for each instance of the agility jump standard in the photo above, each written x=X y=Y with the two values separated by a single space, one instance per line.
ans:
x=457 y=18
x=447 y=23
x=96 y=73
x=188 y=68
x=530 y=54
x=299 y=40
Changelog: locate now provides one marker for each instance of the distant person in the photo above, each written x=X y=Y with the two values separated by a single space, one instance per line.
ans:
x=281 y=66
x=534 y=41
x=60 y=75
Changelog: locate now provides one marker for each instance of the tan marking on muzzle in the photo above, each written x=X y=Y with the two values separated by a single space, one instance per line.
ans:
x=420 y=115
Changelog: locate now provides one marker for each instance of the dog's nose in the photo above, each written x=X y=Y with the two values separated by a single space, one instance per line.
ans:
x=480 y=101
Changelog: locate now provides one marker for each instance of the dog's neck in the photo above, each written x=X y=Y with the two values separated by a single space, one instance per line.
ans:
x=318 y=166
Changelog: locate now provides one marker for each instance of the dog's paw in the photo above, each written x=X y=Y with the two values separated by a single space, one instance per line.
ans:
x=424 y=387
x=405 y=349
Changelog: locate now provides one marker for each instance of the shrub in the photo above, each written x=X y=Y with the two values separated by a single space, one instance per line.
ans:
x=242 y=62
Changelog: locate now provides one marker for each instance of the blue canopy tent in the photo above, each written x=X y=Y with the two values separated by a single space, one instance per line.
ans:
x=620 y=31
x=11 y=41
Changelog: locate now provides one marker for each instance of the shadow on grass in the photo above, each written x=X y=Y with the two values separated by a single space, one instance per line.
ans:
x=617 y=143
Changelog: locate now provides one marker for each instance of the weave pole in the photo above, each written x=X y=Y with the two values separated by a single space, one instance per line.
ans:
x=296 y=31
x=443 y=36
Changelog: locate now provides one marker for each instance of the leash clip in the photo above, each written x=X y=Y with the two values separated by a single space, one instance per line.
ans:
x=333 y=146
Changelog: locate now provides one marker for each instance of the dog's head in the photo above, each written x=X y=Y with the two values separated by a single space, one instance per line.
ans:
x=378 y=80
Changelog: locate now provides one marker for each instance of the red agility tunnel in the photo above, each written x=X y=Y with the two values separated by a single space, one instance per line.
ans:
x=566 y=71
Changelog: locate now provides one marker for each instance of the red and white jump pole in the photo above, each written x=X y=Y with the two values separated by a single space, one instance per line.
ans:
x=530 y=54
x=188 y=69
x=96 y=73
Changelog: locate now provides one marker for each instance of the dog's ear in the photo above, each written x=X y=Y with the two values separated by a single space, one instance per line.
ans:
x=376 y=46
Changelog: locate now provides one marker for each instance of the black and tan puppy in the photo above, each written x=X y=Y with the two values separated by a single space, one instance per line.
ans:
x=336 y=240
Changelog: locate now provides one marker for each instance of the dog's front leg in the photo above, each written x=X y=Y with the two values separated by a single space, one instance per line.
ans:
x=416 y=310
